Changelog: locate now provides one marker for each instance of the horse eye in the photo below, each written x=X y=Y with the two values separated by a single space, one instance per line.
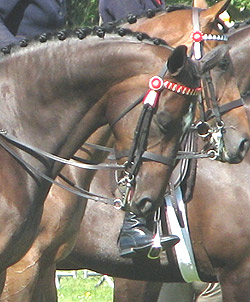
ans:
x=163 y=119
x=223 y=64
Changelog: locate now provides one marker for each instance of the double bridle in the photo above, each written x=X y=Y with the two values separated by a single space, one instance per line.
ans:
x=215 y=133
x=138 y=151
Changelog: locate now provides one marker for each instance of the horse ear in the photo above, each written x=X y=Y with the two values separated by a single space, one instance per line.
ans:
x=211 y=14
x=200 y=4
x=213 y=57
x=177 y=60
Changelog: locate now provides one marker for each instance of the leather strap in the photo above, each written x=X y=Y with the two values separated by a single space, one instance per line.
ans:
x=159 y=158
x=33 y=150
x=35 y=173
x=225 y=108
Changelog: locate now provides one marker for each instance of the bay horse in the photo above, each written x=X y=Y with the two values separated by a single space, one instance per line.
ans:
x=32 y=257
x=239 y=40
x=65 y=105
x=219 y=187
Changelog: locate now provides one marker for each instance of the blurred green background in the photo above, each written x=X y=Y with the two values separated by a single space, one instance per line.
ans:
x=85 y=13
x=94 y=288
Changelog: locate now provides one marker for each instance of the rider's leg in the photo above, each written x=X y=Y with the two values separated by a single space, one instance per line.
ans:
x=136 y=236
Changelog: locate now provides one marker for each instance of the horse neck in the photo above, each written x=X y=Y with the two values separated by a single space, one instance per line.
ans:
x=174 y=27
x=47 y=91
x=240 y=53
x=241 y=35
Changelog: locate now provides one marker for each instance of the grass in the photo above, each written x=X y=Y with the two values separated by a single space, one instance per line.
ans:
x=84 y=289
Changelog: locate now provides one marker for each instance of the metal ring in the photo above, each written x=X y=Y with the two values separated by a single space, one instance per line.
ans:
x=118 y=204
x=220 y=124
x=203 y=129
x=212 y=154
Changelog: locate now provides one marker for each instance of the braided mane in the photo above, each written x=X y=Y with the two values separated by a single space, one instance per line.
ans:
x=150 y=13
x=82 y=33
x=110 y=27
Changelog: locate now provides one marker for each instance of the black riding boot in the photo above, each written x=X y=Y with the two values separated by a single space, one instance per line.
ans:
x=135 y=237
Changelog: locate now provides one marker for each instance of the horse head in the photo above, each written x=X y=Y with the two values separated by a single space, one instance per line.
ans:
x=153 y=148
x=232 y=145
x=198 y=29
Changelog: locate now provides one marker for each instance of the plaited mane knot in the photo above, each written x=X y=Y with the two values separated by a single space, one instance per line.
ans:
x=100 y=32
x=24 y=43
x=82 y=33
x=141 y=36
x=6 y=49
x=131 y=19
x=62 y=35
x=122 y=32
x=43 y=38
x=157 y=41
x=150 y=13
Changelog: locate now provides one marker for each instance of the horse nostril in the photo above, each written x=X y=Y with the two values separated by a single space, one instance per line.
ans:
x=244 y=146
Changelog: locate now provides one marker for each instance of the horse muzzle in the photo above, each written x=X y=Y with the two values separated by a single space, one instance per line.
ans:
x=235 y=148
